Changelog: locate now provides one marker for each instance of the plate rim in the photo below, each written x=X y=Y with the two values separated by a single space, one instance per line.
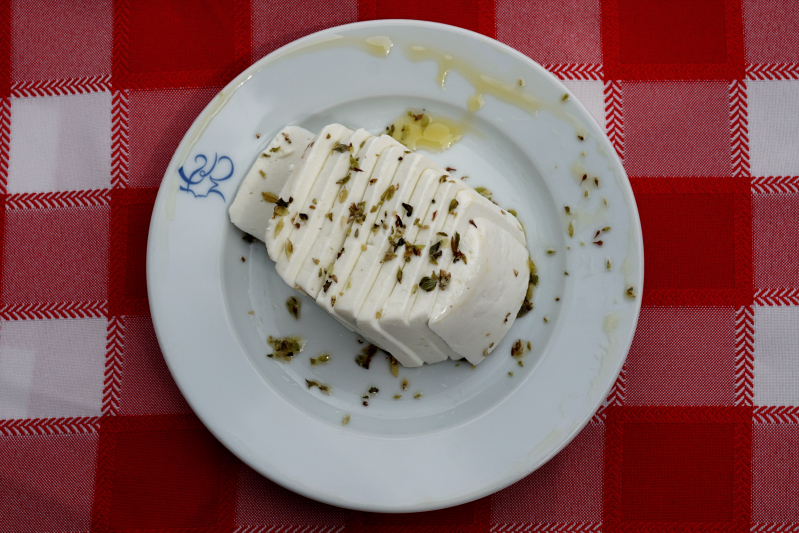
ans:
x=195 y=132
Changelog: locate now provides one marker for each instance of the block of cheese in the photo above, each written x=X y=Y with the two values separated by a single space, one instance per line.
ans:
x=390 y=245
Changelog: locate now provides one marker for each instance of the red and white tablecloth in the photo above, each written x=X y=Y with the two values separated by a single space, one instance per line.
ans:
x=700 y=98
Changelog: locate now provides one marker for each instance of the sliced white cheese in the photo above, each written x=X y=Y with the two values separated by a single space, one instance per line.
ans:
x=368 y=318
x=470 y=206
x=383 y=174
x=341 y=222
x=369 y=263
x=396 y=310
x=328 y=189
x=267 y=175
x=299 y=184
x=420 y=338
x=483 y=296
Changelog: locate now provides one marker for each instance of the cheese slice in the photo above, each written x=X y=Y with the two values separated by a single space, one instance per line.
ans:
x=342 y=220
x=299 y=183
x=328 y=189
x=267 y=175
x=481 y=301
x=368 y=319
x=368 y=266
x=470 y=205
x=396 y=310
x=383 y=175
x=420 y=338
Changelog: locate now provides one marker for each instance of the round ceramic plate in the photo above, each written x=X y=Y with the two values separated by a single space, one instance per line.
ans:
x=457 y=432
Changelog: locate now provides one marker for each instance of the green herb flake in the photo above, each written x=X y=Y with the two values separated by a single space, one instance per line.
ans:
x=517 y=350
x=324 y=389
x=454 y=246
x=286 y=348
x=293 y=305
x=364 y=359
x=320 y=360
x=393 y=365
x=388 y=194
x=428 y=284
x=443 y=279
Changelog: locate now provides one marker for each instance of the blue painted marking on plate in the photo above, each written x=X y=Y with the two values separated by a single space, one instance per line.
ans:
x=200 y=187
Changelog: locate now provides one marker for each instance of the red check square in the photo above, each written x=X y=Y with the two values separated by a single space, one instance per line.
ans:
x=158 y=121
x=552 y=31
x=463 y=13
x=53 y=40
x=566 y=489
x=147 y=386
x=775 y=240
x=676 y=129
x=681 y=39
x=55 y=254
x=682 y=356
x=138 y=229
x=770 y=31
x=698 y=240
x=174 y=36
x=46 y=482
x=677 y=469
x=165 y=478
x=775 y=463
x=261 y=502
x=275 y=24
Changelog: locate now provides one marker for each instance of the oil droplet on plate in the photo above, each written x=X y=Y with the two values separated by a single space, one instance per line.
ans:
x=433 y=133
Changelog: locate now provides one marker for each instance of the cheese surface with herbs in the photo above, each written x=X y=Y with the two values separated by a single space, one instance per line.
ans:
x=415 y=261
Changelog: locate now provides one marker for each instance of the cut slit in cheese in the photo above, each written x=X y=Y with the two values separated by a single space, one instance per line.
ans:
x=383 y=176
x=299 y=183
x=359 y=253
x=388 y=278
x=394 y=319
x=368 y=265
x=327 y=190
x=341 y=223
x=268 y=175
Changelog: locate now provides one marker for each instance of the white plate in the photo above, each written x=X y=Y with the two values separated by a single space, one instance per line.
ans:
x=474 y=431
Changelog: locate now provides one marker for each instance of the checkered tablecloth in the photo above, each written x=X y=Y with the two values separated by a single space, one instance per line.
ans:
x=701 y=100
